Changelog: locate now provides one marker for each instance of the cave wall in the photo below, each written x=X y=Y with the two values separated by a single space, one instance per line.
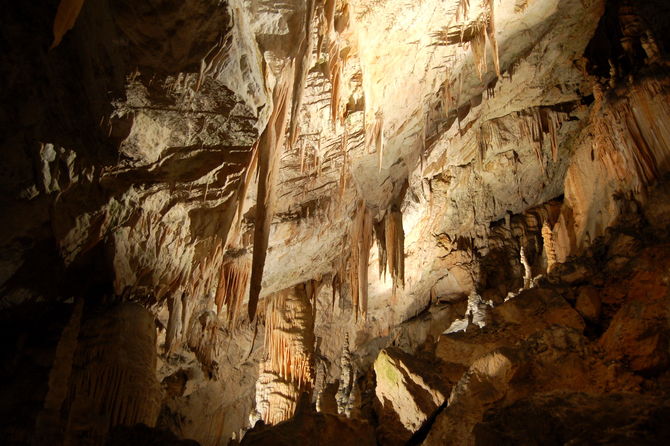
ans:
x=172 y=169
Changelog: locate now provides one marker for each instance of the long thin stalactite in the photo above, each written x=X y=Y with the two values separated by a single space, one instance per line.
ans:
x=269 y=151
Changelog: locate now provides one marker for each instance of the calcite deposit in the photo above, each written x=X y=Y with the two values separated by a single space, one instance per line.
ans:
x=335 y=222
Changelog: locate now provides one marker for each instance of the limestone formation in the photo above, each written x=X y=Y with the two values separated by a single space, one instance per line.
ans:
x=334 y=221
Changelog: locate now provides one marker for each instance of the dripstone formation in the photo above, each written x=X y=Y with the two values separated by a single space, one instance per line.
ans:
x=331 y=222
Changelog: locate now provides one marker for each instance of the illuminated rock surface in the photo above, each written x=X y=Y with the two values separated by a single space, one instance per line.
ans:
x=334 y=221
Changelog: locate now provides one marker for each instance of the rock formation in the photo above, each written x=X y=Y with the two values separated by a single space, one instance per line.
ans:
x=318 y=221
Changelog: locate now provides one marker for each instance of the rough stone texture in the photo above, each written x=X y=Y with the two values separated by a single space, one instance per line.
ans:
x=425 y=171
x=402 y=395
x=113 y=379
x=577 y=418
x=313 y=429
x=535 y=363
x=588 y=303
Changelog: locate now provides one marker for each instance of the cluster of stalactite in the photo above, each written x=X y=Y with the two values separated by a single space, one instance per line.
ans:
x=632 y=137
x=269 y=152
x=389 y=235
x=334 y=19
x=539 y=123
x=516 y=244
x=390 y=238
x=289 y=333
x=289 y=345
x=113 y=378
x=476 y=30
x=360 y=244
x=178 y=281
x=232 y=287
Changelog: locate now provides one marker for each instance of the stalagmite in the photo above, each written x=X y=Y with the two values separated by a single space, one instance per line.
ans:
x=527 y=274
x=342 y=398
x=549 y=248
x=174 y=328
x=269 y=151
x=186 y=311
x=289 y=345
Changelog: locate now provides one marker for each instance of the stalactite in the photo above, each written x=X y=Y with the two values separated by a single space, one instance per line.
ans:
x=303 y=64
x=66 y=17
x=244 y=184
x=447 y=99
x=289 y=328
x=345 y=159
x=186 y=311
x=631 y=137
x=380 y=238
x=232 y=287
x=538 y=123
x=269 y=151
x=336 y=287
x=289 y=345
x=337 y=55
x=361 y=242
x=114 y=375
x=553 y=123
x=491 y=32
x=549 y=248
x=395 y=247
x=476 y=32
x=302 y=156
x=462 y=9
x=478 y=45
x=374 y=136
